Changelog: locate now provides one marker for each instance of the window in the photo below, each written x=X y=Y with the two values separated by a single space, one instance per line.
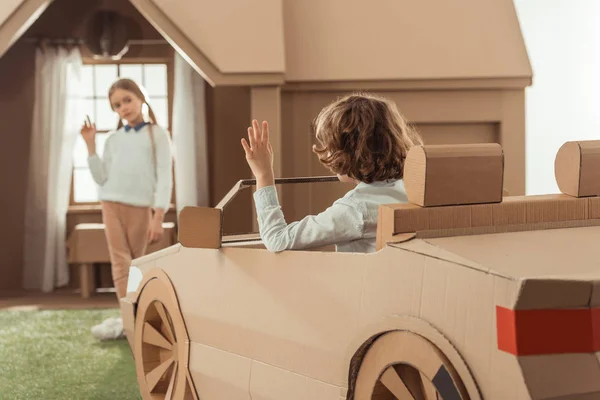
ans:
x=96 y=81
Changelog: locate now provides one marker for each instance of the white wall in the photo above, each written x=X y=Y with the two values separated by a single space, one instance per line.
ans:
x=563 y=42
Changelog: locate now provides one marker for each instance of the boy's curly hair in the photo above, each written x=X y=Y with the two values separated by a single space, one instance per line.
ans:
x=365 y=137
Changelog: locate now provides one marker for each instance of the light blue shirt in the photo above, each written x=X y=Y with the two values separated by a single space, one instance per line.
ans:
x=350 y=222
x=126 y=172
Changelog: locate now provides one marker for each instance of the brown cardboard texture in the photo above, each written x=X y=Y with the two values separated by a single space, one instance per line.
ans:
x=519 y=213
x=200 y=227
x=450 y=83
x=476 y=302
x=435 y=375
x=247 y=306
x=471 y=98
x=161 y=347
x=577 y=168
x=454 y=174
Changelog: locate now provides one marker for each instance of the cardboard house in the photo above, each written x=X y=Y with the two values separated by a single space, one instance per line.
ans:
x=457 y=71
x=470 y=296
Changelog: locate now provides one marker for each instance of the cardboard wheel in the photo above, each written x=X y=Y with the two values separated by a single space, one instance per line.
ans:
x=161 y=344
x=404 y=366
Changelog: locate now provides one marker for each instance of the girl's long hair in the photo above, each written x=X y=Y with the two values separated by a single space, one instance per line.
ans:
x=131 y=86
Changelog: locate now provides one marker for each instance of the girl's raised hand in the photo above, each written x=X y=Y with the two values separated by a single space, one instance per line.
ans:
x=259 y=154
x=88 y=131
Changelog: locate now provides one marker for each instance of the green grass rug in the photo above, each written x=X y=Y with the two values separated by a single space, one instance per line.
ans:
x=52 y=355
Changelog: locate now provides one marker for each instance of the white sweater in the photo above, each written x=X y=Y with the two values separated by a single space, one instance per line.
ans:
x=350 y=222
x=126 y=172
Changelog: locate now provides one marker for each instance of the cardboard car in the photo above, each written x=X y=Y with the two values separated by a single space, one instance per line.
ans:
x=471 y=295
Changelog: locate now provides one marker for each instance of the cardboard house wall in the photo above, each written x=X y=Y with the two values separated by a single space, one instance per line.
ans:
x=408 y=50
x=456 y=85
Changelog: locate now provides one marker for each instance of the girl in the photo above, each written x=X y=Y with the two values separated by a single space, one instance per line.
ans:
x=361 y=138
x=135 y=179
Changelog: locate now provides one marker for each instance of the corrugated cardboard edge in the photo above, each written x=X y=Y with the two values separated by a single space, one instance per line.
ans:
x=515 y=214
x=484 y=230
x=362 y=342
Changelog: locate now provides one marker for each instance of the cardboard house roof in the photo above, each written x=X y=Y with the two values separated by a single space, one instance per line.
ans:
x=275 y=41
x=7 y=8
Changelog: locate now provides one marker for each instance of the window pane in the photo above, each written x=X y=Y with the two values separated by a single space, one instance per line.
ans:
x=106 y=118
x=155 y=79
x=85 y=189
x=87 y=81
x=159 y=106
x=105 y=76
x=80 y=153
x=132 y=71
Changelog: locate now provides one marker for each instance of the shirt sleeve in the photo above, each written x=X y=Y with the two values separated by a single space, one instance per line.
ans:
x=99 y=167
x=164 y=168
x=341 y=222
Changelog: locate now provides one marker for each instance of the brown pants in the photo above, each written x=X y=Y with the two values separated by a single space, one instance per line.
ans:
x=126 y=229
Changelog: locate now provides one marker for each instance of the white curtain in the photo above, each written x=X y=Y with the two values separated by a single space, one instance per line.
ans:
x=56 y=121
x=189 y=137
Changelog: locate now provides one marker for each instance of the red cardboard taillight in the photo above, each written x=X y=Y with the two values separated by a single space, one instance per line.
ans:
x=554 y=331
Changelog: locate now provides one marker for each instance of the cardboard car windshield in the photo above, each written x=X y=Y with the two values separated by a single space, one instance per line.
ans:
x=471 y=295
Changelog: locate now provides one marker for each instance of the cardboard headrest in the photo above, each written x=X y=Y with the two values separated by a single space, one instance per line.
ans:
x=577 y=168
x=441 y=175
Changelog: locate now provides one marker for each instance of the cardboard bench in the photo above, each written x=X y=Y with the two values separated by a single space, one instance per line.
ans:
x=87 y=246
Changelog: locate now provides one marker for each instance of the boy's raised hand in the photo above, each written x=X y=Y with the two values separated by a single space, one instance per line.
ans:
x=259 y=154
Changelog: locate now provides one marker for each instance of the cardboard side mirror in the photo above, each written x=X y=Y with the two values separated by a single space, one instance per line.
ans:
x=577 y=168
x=442 y=175
x=200 y=227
